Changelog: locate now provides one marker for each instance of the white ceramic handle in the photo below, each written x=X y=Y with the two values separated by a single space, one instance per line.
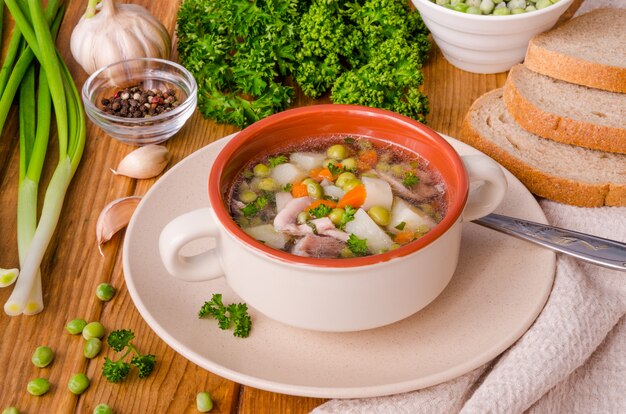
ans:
x=177 y=233
x=492 y=186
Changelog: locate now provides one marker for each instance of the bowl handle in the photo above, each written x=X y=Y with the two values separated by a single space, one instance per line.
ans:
x=488 y=186
x=182 y=230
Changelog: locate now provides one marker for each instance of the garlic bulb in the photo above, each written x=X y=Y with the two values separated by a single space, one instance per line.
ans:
x=117 y=32
x=144 y=162
x=114 y=217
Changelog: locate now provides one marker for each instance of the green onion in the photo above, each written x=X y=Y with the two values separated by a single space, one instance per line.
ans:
x=56 y=85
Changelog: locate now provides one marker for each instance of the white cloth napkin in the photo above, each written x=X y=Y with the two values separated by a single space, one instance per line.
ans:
x=571 y=360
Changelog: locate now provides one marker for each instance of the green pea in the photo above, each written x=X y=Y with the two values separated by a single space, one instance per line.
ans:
x=518 y=11
x=268 y=184
x=473 y=10
x=328 y=161
x=380 y=215
x=351 y=184
x=336 y=215
x=349 y=164
x=302 y=217
x=397 y=169
x=461 y=7
x=337 y=152
x=346 y=253
x=394 y=246
x=102 y=409
x=383 y=166
x=42 y=357
x=78 y=384
x=38 y=386
x=10 y=410
x=204 y=403
x=314 y=189
x=442 y=2
x=75 y=326
x=487 y=6
x=93 y=330
x=343 y=178
x=261 y=170
x=501 y=11
x=422 y=229
x=92 y=348
x=542 y=4
x=455 y=2
x=105 y=292
x=531 y=8
x=247 y=196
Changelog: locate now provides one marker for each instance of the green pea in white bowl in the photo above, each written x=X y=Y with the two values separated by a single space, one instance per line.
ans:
x=486 y=43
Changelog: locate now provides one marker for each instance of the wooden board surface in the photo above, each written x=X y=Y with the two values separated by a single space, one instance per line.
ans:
x=73 y=268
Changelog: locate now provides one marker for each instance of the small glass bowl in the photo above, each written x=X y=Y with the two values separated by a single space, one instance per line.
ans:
x=151 y=74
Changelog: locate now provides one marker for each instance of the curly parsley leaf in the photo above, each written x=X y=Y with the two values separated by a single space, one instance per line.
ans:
x=334 y=169
x=401 y=226
x=287 y=187
x=232 y=315
x=357 y=246
x=253 y=208
x=116 y=371
x=120 y=339
x=145 y=364
x=277 y=160
x=347 y=217
x=410 y=179
x=320 y=211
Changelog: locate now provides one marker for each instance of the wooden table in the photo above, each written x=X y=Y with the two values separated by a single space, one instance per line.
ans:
x=72 y=267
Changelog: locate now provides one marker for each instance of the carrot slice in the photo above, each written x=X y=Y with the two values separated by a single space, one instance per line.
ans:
x=299 y=190
x=319 y=174
x=317 y=203
x=367 y=159
x=353 y=198
x=404 y=237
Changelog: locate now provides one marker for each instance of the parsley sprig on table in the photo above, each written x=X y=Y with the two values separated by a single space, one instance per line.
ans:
x=235 y=315
x=117 y=371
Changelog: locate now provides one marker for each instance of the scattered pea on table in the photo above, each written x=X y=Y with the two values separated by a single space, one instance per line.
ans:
x=93 y=330
x=75 y=326
x=10 y=410
x=204 y=403
x=78 y=383
x=105 y=292
x=38 y=386
x=42 y=357
x=102 y=409
x=92 y=348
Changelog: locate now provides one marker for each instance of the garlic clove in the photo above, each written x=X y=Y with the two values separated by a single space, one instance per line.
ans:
x=145 y=162
x=114 y=217
x=8 y=277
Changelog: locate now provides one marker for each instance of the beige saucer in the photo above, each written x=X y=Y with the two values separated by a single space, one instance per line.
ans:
x=500 y=286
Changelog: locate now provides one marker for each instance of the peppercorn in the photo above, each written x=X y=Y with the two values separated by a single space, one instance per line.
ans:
x=137 y=102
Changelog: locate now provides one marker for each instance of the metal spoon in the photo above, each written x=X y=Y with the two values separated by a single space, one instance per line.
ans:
x=592 y=249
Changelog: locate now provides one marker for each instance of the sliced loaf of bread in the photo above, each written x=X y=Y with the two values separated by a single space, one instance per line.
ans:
x=560 y=172
x=566 y=112
x=588 y=50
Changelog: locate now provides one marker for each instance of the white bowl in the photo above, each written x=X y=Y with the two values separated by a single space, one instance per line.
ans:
x=486 y=44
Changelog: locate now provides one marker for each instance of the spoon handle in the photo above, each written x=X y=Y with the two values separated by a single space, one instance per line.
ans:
x=596 y=250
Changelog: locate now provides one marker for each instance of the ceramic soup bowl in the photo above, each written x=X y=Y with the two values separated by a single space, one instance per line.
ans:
x=337 y=295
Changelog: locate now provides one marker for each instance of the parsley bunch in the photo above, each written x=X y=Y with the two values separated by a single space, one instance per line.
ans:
x=232 y=315
x=116 y=371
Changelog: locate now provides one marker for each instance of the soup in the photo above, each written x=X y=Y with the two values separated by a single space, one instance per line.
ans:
x=338 y=197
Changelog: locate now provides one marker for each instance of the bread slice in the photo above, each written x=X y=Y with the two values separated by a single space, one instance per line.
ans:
x=560 y=172
x=566 y=112
x=588 y=50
